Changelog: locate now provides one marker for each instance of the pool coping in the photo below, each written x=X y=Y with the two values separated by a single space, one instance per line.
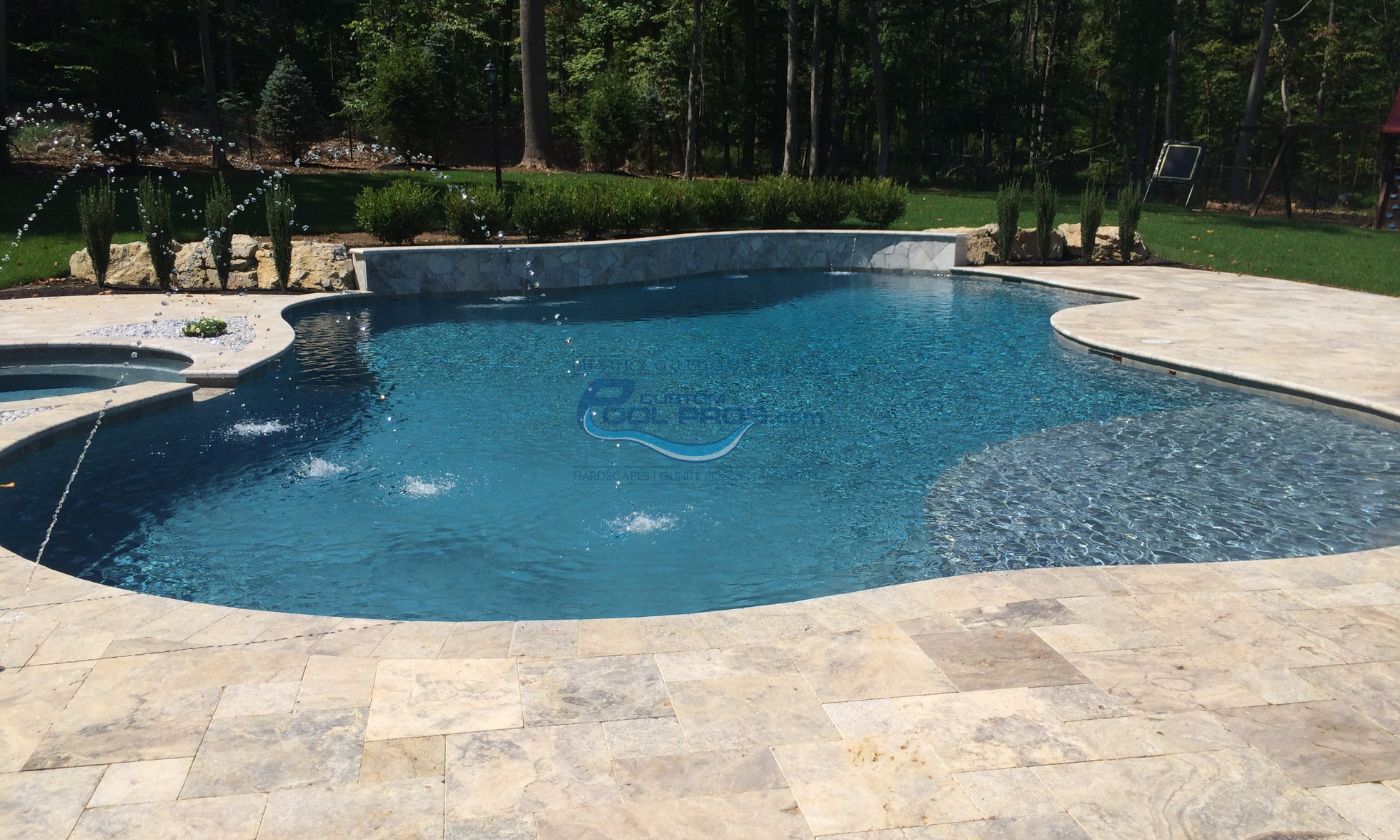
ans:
x=1213 y=679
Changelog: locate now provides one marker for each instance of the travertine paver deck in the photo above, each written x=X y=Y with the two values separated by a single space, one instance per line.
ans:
x=1248 y=699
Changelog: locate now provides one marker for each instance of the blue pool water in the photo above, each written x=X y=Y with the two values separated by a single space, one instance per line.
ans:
x=424 y=458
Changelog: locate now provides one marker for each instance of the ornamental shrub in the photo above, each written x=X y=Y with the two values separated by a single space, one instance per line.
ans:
x=1008 y=216
x=1045 y=207
x=1129 y=214
x=720 y=204
x=634 y=207
x=397 y=213
x=218 y=229
x=153 y=209
x=878 y=201
x=97 y=214
x=610 y=121
x=1091 y=216
x=205 y=328
x=821 y=202
x=772 y=198
x=594 y=209
x=287 y=118
x=475 y=214
x=280 y=209
x=673 y=206
x=544 y=210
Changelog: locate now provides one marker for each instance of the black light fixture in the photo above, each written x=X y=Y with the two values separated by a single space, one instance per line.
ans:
x=492 y=76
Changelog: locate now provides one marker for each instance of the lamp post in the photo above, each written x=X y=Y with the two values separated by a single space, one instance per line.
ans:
x=491 y=85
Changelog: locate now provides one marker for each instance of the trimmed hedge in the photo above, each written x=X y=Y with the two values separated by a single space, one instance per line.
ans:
x=558 y=208
x=397 y=213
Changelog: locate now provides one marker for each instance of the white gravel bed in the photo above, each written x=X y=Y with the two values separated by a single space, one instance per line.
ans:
x=240 y=333
x=19 y=414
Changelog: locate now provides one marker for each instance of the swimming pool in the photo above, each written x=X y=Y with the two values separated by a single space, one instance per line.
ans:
x=705 y=443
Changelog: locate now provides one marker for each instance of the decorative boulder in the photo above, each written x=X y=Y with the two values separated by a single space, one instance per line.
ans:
x=981 y=245
x=1027 y=250
x=128 y=267
x=1105 y=244
x=316 y=266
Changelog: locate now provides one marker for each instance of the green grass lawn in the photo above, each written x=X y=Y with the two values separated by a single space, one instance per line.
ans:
x=1316 y=252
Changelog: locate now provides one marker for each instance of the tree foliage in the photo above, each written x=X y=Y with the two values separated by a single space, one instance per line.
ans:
x=287 y=118
x=973 y=93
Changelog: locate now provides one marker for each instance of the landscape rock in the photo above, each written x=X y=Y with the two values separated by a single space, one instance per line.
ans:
x=129 y=266
x=982 y=245
x=1105 y=244
x=316 y=266
x=1027 y=250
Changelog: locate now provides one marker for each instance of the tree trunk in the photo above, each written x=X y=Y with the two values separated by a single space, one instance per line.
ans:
x=534 y=85
x=4 y=91
x=226 y=23
x=211 y=95
x=791 y=143
x=1174 y=72
x=1321 y=106
x=750 y=117
x=815 y=162
x=1252 y=101
x=882 y=108
x=693 y=90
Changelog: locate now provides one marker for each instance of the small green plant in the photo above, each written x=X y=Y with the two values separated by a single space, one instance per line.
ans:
x=1008 y=216
x=1129 y=214
x=544 y=210
x=287 y=117
x=594 y=210
x=1045 y=207
x=218 y=229
x=720 y=204
x=674 y=208
x=153 y=209
x=821 y=202
x=610 y=121
x=205 y=328
x=475 y=214
x=397 y=213
x=878 y=201
x=97 y=213
x=280 y=209
x=773 y=200
x=1091 y=216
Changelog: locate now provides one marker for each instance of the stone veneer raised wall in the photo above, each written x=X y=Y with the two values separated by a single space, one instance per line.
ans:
x=465 y=268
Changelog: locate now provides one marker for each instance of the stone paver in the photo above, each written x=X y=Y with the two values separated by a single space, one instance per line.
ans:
x=1223 y=700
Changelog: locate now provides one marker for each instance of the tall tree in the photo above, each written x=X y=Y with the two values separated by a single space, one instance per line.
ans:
x=4 y=89
x=211 y=93
x=749 y=133
x=1252 y=101
x=882 y=108
x=534 y=85
x=1169 y=124
x=1330 y=40
x=815 y=163
x=791 y=143
x=226 y=24
x=693 y=89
